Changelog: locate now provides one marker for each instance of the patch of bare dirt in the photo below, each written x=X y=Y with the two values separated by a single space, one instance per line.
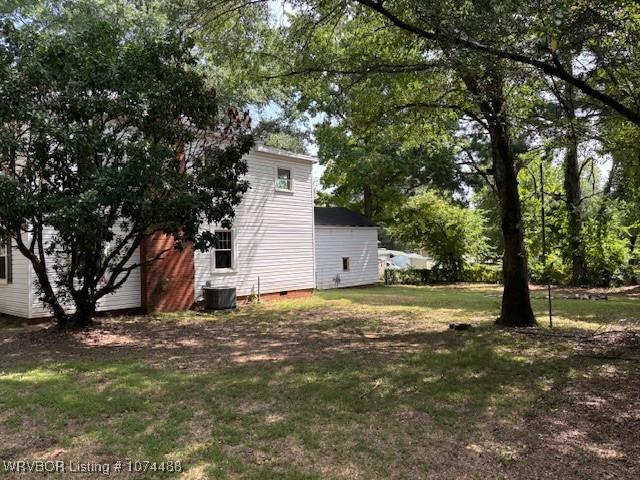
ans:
x=234 y=338
x=586 y=430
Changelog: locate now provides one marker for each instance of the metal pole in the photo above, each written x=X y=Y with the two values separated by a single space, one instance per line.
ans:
x=544 y=244
x=258 y=289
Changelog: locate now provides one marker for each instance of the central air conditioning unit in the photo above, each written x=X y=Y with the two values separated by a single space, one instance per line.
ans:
x=219 y=298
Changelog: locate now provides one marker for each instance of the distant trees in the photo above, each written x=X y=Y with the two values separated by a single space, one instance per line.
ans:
x=456 y=96
x=452 y=234
x=108 y=135
x=375 y=173
x=281 y=135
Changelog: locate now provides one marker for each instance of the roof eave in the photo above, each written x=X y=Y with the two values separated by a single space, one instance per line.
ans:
x=260 y=147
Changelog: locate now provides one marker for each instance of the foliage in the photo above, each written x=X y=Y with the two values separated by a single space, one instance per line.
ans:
x=476 y=272
x=450 y=233
x=275 y=133
x=555 y=270
x=533 y=34
x=484 y=200
x=483 y=273
x=607 y=234
x=556 y=267
x=374 y=174
x=108 y=134
x=608 y=249
x=416 y=276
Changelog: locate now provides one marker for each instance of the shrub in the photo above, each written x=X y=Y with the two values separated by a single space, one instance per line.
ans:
x=422 y=276
x=484 y=273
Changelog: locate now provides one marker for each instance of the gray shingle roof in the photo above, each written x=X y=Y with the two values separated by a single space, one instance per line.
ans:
x=340 y=216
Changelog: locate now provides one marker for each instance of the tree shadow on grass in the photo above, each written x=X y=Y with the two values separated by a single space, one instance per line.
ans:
x=469 y=302
x=391 y=405
x=311 y=392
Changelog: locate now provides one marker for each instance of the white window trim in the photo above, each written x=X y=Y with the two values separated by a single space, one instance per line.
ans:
x=234 y=254
x=4 y=281
x=275 y=178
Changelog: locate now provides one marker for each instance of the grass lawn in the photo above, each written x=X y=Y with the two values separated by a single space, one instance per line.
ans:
x=354 y=383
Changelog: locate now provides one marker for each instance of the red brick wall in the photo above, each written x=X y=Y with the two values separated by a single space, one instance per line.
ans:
x=167 y=284
x=268 y=297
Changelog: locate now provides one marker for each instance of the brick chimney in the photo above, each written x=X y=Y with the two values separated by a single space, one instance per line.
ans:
x=168 y=285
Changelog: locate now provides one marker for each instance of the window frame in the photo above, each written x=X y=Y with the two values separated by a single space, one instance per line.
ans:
x=4 y=253
x=233 y=249
x=348 y=259
x=275 y=181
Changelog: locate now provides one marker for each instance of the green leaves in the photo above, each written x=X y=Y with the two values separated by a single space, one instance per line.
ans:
x=452 y=234
x=109 y=133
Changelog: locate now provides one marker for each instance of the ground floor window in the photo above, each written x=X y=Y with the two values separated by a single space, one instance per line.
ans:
x=223 y=253
x=345 y=264
x=5 y=261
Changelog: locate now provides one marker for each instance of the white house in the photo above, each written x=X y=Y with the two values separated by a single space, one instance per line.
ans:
x=346 y=249
x=279 y=246
x=271 y=242
x=271 y=247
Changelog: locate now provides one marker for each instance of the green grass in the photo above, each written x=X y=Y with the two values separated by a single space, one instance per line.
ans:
x=351 y=383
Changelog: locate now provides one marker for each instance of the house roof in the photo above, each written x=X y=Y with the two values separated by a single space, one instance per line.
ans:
x=417 y=256
x=385 y=251
x=340 y=216
x=261 y=147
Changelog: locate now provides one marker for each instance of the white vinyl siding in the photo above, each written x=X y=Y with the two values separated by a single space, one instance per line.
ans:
x=273 y=232
x=355 y=248
x=128 y=296
x=14 y=296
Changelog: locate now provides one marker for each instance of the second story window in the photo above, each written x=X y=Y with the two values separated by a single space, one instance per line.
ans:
x=284 y=182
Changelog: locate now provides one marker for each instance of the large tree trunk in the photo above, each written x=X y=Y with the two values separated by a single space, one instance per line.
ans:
x=83 y=316
x=516 y=308
x=574 y=197
x=516 y=303
x=85 y=306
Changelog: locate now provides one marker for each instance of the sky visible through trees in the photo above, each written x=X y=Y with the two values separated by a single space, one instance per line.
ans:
x=462 y=100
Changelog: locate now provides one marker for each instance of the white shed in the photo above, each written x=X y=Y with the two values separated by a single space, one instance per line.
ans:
x=346 y=248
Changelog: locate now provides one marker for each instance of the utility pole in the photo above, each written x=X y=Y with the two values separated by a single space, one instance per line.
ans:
x=544 y=244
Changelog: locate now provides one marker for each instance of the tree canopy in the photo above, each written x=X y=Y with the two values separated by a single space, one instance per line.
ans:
x=108 y=134
x=452 y=234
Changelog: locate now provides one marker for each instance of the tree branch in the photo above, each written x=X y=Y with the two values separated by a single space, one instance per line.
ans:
x=556 y=70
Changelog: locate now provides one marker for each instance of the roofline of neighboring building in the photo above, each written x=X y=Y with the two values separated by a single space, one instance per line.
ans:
x=340 y=217
x=262 y=148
